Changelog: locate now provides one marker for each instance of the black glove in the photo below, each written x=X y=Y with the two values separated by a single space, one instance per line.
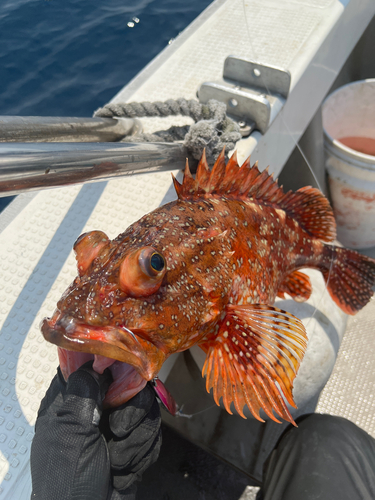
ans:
x=78 y=453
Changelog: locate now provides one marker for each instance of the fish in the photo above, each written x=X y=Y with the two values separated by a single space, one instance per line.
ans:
x=205 y=270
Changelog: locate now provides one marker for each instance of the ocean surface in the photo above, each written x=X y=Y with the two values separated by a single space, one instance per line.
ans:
x=69 y=57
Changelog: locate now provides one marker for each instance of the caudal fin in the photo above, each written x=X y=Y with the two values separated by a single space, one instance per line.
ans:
x=349 y=276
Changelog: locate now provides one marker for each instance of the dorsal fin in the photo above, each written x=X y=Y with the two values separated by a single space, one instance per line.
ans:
x=312 y=210
x=308 y=206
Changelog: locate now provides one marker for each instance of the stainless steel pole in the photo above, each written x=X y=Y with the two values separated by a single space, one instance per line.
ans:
x=33 y=166
x=65 y=129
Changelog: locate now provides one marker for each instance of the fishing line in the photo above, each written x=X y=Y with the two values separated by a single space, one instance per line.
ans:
x=130 y=333
x=325 y=290
x=181 y=414
x=255 y=56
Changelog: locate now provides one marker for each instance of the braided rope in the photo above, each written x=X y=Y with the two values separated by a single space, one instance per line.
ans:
x=212 y=129
x=170 y=107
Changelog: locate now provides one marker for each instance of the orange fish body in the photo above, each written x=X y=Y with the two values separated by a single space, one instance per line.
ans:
x=204 y=270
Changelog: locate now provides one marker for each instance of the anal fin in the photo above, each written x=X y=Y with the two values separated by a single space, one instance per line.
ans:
x=297 y=285
x=257 y=350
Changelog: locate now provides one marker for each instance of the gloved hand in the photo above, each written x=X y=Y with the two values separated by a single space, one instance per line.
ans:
x=82 y=453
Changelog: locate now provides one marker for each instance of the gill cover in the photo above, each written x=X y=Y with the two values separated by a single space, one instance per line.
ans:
x=142 y=272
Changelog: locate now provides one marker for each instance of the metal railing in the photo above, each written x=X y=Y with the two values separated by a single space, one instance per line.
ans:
x=38 y=153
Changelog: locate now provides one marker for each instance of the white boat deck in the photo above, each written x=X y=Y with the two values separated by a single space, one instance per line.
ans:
x=310 y=38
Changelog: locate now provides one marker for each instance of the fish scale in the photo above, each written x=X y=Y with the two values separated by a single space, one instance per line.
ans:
x=206 y=269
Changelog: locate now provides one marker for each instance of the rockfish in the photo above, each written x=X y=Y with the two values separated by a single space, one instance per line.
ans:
x=205 y=269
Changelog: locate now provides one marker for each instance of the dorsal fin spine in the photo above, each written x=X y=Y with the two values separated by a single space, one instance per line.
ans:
x=203 y=172
x=177 y=186
x=230 y=171
x=218 y=172
x=253 y=172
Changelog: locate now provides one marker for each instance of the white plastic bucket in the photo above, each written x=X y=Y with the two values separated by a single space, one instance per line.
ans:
x=349 y=115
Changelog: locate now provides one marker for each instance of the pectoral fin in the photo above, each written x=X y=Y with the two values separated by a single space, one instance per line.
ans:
x=257 y=347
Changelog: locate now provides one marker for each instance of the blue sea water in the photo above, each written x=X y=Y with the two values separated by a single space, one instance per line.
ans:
x=68 y=57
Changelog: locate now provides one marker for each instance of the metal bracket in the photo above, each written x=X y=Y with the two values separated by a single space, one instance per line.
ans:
x=254 y=93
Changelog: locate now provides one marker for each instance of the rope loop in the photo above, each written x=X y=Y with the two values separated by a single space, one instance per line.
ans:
x=212 y=129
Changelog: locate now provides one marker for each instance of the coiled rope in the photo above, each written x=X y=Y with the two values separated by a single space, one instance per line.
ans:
x=212 y=129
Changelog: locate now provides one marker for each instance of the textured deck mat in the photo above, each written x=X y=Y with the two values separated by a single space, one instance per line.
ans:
x=350 y=391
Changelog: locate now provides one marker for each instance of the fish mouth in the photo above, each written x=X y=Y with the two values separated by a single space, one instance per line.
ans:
x=131 y=358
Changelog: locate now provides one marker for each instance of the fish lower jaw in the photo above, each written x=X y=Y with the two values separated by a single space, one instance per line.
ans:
x=127 y=382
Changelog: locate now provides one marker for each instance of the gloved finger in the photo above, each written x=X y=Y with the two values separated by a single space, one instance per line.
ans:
x=125 y=478
x=87 y=383
x=124 y=419
x=132 y=455
x=53 y=396
x=128 y=494
x=131 y=449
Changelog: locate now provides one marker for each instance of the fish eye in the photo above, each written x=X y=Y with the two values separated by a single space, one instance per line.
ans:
x=142 y=272
x=152 y=263
x=157 y=262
